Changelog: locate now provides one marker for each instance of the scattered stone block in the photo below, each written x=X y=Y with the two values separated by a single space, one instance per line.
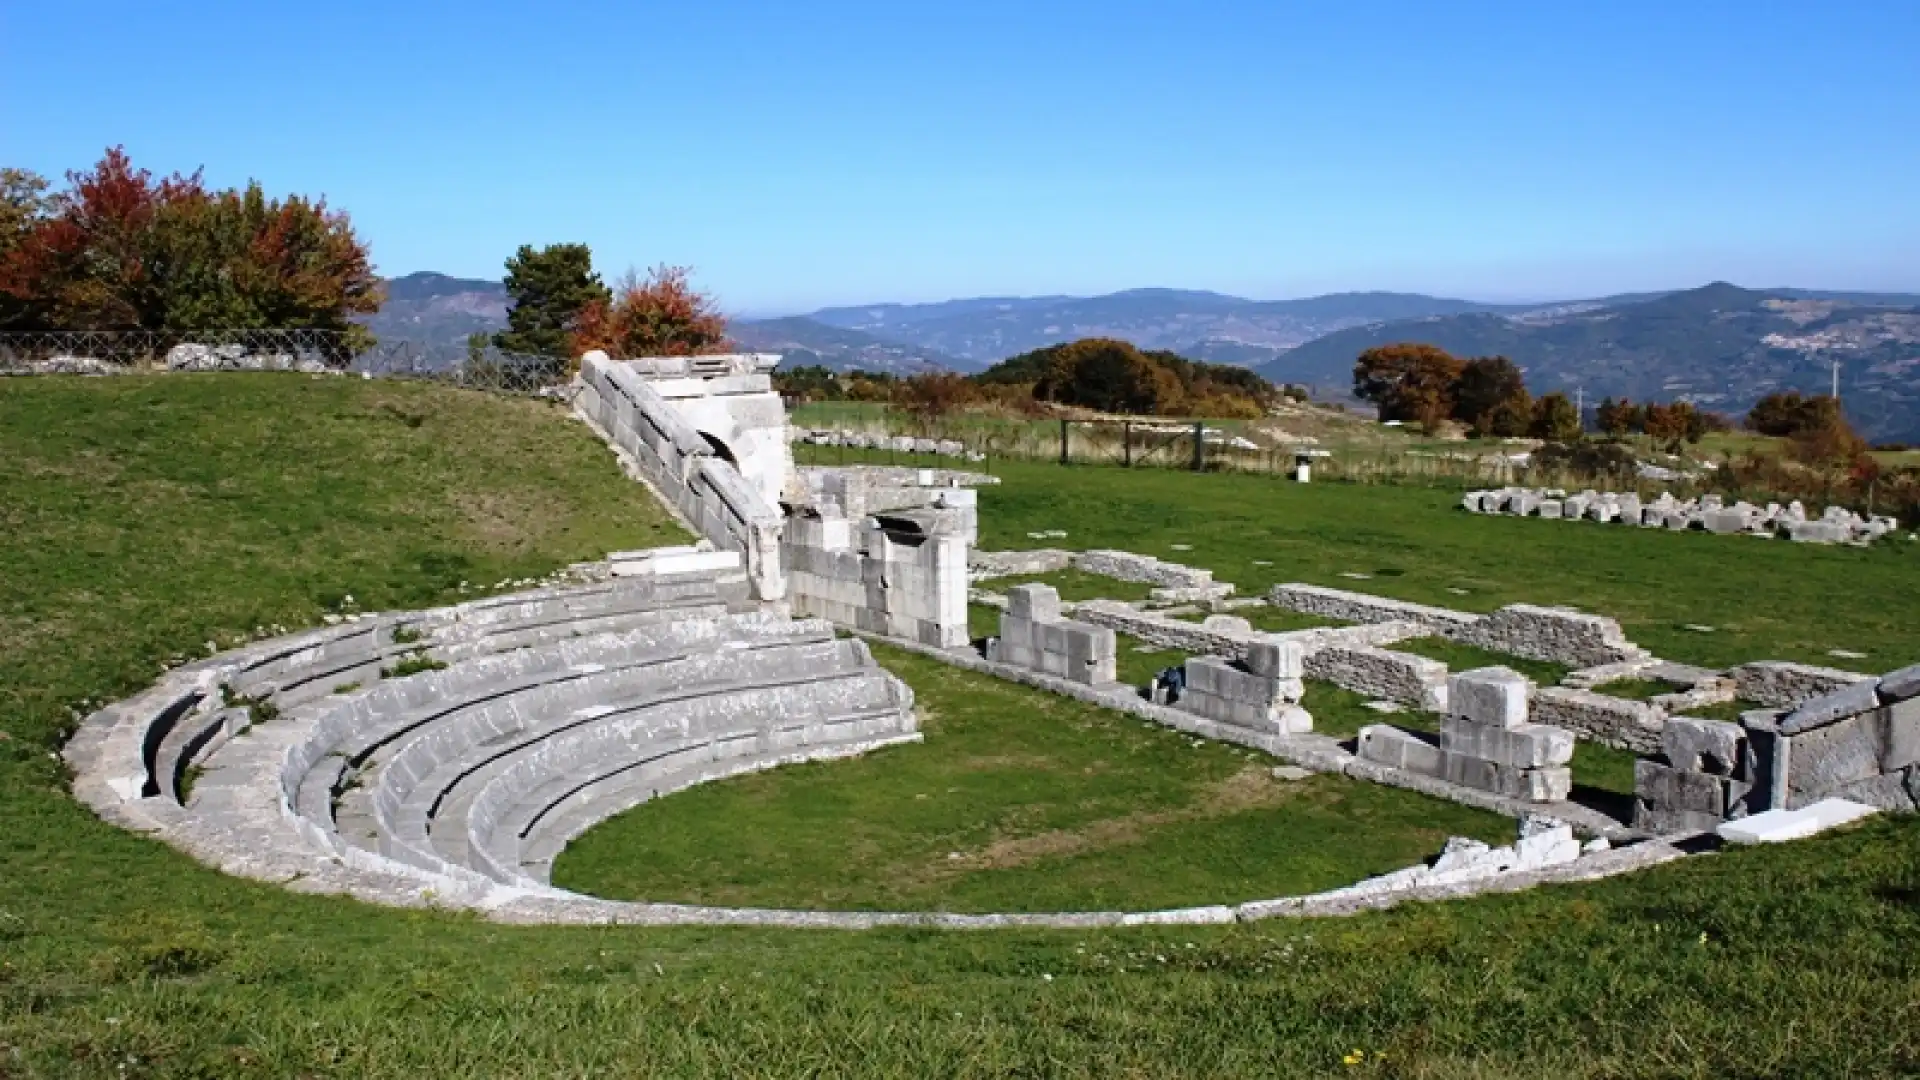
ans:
x=1776 y=826
x=1901 y=685
x=1495 y=695
x=1847 y=701
x=1715 y=747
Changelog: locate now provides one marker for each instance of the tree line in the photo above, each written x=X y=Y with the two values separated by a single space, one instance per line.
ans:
x=118 y=248
x=1101 y=374
x=121 y=249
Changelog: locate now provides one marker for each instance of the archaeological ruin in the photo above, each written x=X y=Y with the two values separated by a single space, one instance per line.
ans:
x=445 y=757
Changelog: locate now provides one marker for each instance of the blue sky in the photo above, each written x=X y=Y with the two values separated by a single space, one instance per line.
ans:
x=798 y=155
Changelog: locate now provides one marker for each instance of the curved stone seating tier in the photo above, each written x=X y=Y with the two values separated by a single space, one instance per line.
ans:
x=547 y=710
x=555 y=709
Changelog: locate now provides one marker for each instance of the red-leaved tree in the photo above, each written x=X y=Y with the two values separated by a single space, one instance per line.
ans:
x=121 y=250
x=659 y=315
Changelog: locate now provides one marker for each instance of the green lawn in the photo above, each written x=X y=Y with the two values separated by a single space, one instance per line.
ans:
x=1074 y=585
x=1763 y=599
x=145 y=516
x=1460 y=657
x=1018 y=800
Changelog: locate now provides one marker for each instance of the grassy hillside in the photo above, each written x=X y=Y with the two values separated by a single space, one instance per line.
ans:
x=144 y=517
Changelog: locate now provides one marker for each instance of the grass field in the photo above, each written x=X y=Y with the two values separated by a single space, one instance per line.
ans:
x=1017 y=801
x=1759 y=599
x=146 y=516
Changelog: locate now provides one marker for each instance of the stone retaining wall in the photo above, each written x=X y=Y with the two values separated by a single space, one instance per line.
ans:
x=1363 y=608
x=707 y=490
x=992 y=564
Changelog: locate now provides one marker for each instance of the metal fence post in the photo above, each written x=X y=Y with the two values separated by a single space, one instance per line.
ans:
x=1065 y=459
x=1199 y=446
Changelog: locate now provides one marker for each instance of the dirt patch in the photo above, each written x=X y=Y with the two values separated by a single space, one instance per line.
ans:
x=1251 y=788
x=993 y=762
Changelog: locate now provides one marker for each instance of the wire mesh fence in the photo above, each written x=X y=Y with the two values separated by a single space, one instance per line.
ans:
x=114 y=352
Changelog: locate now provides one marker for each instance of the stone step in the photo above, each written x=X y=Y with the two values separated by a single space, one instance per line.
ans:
x=421 y=827
x=564 y=821
x=410 y=788
x=762 y=719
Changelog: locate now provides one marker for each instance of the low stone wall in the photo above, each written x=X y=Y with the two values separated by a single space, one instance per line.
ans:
x=1380 y=673
x=1167 y=632
x=1363 y=608
x=1610 y=721
x=1172 y=582
x=1781 y=685
x=986 y=565
x=707 y=490
x=1556 y=635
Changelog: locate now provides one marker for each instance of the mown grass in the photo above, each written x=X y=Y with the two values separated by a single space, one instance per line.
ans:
x=1764 y=600
x=120 y=957
x=1461 y=657
x=1018 y=800
x=1075 y=585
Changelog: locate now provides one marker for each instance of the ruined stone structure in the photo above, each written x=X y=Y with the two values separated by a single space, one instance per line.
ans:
x=1260 y=693
x=1859 y=744
x=1486 y=741
x=1556 y=635
x=1033 y=634
x=696 y=471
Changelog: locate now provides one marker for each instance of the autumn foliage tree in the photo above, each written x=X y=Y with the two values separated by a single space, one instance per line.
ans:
x=122 y=250
x=1109 y=375
x=1409 y=381
x=661 y=314
x=1555 y=419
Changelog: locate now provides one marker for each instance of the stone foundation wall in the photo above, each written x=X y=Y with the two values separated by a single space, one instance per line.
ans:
x=1363 y=608
x=1610 y=721
x=1556 y=635
x=1167 y=632
x=1781 y=685
x=1127 y=566
x=986 y=565
x=1380 y=673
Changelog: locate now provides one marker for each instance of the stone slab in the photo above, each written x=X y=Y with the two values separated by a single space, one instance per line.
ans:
x=1776 y=826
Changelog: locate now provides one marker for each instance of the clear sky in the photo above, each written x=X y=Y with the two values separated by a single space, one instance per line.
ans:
x=802 y=154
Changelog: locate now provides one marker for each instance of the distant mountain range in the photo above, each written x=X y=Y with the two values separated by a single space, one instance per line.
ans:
x=1720 y=346
x=434 y=309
